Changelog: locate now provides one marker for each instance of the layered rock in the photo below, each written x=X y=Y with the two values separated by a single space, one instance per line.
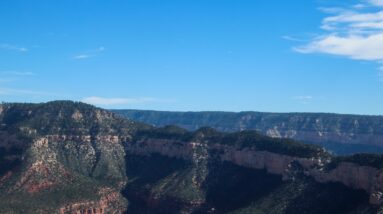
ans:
x=110 y=202
x=352 y=175
x=308 y=127
x=43 y=171
x=73 y=159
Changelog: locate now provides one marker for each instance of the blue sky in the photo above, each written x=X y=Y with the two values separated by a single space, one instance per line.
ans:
x=191 y=55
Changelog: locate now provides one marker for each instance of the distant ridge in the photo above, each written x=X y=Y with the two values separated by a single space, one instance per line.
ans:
x=340 y=133
x=70 y=157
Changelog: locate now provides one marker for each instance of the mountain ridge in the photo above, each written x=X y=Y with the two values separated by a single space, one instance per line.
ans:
x=86 y=159
x=341 y=133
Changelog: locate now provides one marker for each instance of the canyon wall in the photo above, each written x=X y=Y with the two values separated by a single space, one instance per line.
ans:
x=307 y=127
x=352 y=175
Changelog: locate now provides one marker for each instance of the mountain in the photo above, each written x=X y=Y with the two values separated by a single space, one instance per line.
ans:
x=340 y=133
x=61 y=156
x=70 y=157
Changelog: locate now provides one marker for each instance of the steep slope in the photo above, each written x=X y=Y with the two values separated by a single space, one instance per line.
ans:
x=244 y=173
x=342 y=134
x=68 y=157
x=67 y=153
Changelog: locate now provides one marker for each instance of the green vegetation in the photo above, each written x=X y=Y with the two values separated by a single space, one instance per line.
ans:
x=372 y=160
x=306 y=196
x=48 y=201
x=65 y=117
x=148 y=177
x=242 y=140
x=232 y=122
x=252 y=139
x=156 y=183
x=306 y=127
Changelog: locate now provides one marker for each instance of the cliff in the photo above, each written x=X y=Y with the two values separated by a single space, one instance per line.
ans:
x=343 y=134
x=67 y=157
x=349 y=174
x=68 y=153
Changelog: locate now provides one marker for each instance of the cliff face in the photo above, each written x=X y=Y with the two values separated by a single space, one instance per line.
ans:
x=367 y=178
x=68 y=153
x=344 y=134
x=66 y=157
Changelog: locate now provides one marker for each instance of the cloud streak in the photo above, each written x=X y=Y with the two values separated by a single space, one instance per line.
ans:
x=89 y=54
x=304 y=99
x=355 y=32
x=103 y=101
x=14 y=91
x=17 y=73
x=11 y=47
x=376 y=2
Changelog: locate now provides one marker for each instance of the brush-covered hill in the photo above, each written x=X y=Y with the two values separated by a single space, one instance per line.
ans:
x=70 y=157
x=341 y=133
x=59 y=154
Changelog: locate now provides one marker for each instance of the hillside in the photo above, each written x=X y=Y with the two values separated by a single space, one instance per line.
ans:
x=342 y=134
x=69 y=157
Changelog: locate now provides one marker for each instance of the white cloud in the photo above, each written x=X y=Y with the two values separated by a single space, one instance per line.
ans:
x=359 y=6
x=103 y=101
x=353 y=46
x=90 y=54
x=10 y=47
x=82 y=56
x=376 y=2
x=331 y=9
x=290 y=38
x=305 y=99
x=355 y=32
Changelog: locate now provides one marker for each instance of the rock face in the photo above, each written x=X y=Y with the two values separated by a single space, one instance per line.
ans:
x=336 y=131
x=352 y=175
x=110 y=202
x=66 y=157
x=68 y=153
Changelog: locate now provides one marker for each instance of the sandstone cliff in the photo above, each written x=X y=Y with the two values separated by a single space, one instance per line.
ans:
x=66 y=157
x=352 y=175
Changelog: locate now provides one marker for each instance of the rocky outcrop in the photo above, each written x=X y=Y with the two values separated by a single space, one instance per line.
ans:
x=74 y=158
x=59 y=162
x=43 y=171
x=352 y=175
x=110 y=202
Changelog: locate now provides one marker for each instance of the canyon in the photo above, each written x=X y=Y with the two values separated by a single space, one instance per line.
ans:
x=68 y=157
x=340 y=133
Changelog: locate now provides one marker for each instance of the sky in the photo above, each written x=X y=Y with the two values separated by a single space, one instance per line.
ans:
x=195 y=55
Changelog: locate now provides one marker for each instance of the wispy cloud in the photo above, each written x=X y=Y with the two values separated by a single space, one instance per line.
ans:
x=376 y=2
x=17 y=73
x=89 y=54
x=14 y=91
x=355 y=32
x=290 y=38
x=11 y=76
x=94 y=100
x=82 y=56
x=304 y=99
x=11 y=47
